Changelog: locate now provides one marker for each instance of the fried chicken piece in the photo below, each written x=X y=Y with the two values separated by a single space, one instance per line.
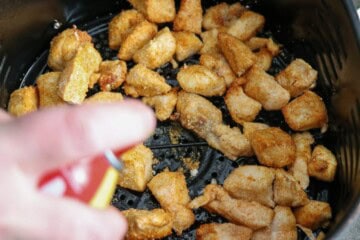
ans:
x=222 y=15
x=23 y=101
x=247 y=26
x=257 y=43
x=250 y=214
x=47 y=85
x=201 y=116
x=224 y=231
x=156 y=11
x=187 y=45
x=283 y=226
x=218 y=64
x=142 y=81
x=143 y=224
x=170 y=189
x=210 y=40
x=298 y=77
x=201 y=80
x=164 y=104
x=250 y=127
x=238 y=55
x=299 y=169
x=158 y=51
x=263 y=88
x=190 y=16
x=313 y=215
x=322 y=164
x=135 y=40
x=287 y=191
x=306 y=112
x=105 y=97
x=263 y=59
x=252 y=183
x=112 y=75
x=64 y=47
x=121 y=25
x=273 y=147
x=74 y=80
x=241 y=107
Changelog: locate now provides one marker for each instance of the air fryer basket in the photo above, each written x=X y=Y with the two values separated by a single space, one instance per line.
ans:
x=325 y=35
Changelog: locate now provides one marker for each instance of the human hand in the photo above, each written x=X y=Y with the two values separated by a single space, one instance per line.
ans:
x=39 y=142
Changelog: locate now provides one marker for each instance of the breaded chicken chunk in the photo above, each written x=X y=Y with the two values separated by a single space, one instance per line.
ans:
x=112 y=75
x=263 y=59
x=247 y=26
x=287 y=191
x=250 y=127
x=241 y=107
x=47 y=85
x=313 y=215
x=143 y=224
x=257 y=43
x=142 y=81
x=263 y=88
x=322 y=164
x=187 y=45
x=238 y=55
x=298 y=77
x=23 y=101
x=121 y=25
x=210 y=40
x=74 y=80
x=299 y=169
x=252 y=183
x=222 y=15
x=250 y=214
x=105 y=97
x=218 y=64
x=224 y=231
x=164 y=104
x=137 y=170
x=190 y=16
x=156 y=11
x=64 y=47
x=306 y=112
x=158 y=51
x=201 y=80
x=273 y=147
x=170 y=189
x=135 y=40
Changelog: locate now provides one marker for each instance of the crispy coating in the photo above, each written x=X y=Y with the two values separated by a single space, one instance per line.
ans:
x=170 y=189
x=218 y=64
x=210 y=40
x=313 y=215
x=156 y=11
x=250 y=214
x=298 y=77
x=64 y=47
x=263 y=88
x=47 y=85
x=241 y=107
x=145 y=224
x=190 y=16
x=135 y=40
x=252 y=183
x=222 y=15
x=187 y=45
x=112 y=75
x=287 y=191
x=142 y=81
x=322 y=164
x=299 y=169
x=164 y=104
x=224 y=231
x=23 y=101
x=158 y=51
x=257 y=43
x=105 y=97
x=121 y=25
x=238 y=55
x=247 y=26
x=273 y=147
x=137 y=170
x=263 y=59
x=306 y=112
x=250 y=127
x=201 y=80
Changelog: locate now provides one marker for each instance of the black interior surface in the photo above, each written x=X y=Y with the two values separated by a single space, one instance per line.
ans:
x=323 y=34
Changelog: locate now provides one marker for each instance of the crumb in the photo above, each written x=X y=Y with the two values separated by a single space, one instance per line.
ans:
x=194 y=172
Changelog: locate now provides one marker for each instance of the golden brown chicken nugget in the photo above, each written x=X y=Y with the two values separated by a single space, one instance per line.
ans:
x=210 y=40
x=228 y=231
x=313 y=215
x=187 y=45
x=47 y=85
x=105 y=97
x=247 y=26
x=322 y=164
x=156 y=11
x=222 y=15
x=164 y=104
x=190 y=16
x=257 y=43
x=112 y=74
x=250 y=127
x=263 y=59
x=23 y=101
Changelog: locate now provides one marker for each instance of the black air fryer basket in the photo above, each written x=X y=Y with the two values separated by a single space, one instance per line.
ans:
x=324 y=33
